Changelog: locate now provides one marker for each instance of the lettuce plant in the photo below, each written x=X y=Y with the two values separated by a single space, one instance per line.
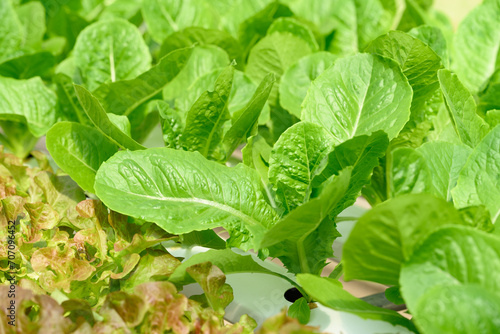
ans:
x=274 y=117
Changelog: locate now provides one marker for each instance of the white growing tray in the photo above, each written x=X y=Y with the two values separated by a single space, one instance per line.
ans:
x=261 y=296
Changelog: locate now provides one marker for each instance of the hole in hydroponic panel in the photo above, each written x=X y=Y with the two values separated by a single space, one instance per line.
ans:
x=292 y=294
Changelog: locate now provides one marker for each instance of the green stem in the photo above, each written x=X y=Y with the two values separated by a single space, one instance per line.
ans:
x=388 y=170
x=345 y=219
x=295 y=285
x=304 y=266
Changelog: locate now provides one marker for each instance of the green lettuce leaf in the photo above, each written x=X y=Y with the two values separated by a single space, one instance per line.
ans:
x=32 y=18
x=201 y=36
x=386 y=236
x=28 y=66
x=225 y=259
x=409 y=173
x=297 y=79
x=275 y=53
x=68 y=101
x=125 y=96
x=348 y=101
x=244 y=122
x=295 y=159
x=435 y=39
x=362 y=153
x=471 y=128
x=164 y=17
x=203 y=130
x=203 y=60
x=101 y=121
x=107 y=51
x=301 y=239
x=183 y=192
x=445 y=161
x=461 y=304
x=28 y=100
x=11 y=31
x=300 y=310
x=330 y=293
x=493 y=118
x=478 y=182
x=419 y=63
x=452 y=260
x=477 y=40
x=294 y=27
x=79 y=150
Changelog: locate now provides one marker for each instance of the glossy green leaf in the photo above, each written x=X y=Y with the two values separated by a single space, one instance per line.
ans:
x=294 y=160
x=79 y=150
x=478 y=182
x=387 y=235
x=477 y=41
x=28 y=100
x=452 y=256
x=297 y=79
x=300 y=239
x=471 y=128
x=444 y=129
x=171 y=124
x=435 y=39
x=300 y=310
x=294 y=27
x=256 y=154
x=415 y=14
x=32 y=18
x=121 y=122
x=409 y=173
x=164 y=17
x=100 y=119
x=241 y=92
x=203 y=60
x=348 y=99
x=330 y=293
x=206 y=238
x=419 y=64
x=225 y=259
x=255 y=27
x=461 y=316
x=444 y=161
x=126 y=9
x=143 y=121
x=477 y=217
x=200 y=36
x=109 y=51
x=245 y=121
x=11 y=31
x=489 y=99
x=320 y=13
x=493 y=118
x=16 y=136
x=28 y=66
x=205 y=120
x=357 y=23
x=432 y=168
x=123 y=97
x=68 y=101
x=362 y=153
x=183 y=192
x=275 y=53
